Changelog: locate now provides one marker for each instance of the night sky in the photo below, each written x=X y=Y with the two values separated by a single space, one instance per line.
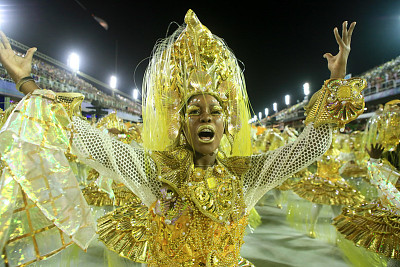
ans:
x=280 y=43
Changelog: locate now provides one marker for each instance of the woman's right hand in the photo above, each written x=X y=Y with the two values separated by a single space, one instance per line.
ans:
x=17 y=67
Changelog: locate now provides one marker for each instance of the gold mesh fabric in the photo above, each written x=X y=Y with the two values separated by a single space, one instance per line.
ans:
x=269 y=170
x=124 y=163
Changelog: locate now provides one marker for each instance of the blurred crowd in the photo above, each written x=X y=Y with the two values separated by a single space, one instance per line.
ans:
x=59 y=80
x=383 y=77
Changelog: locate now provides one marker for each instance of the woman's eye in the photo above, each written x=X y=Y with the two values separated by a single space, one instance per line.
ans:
x=194 y=112
x=216 y=111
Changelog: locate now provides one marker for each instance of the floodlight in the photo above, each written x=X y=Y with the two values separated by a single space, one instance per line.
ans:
x=113 y=82
x=73 y=62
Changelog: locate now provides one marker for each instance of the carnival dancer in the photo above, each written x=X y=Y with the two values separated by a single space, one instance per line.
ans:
x=375 y=225
x=198 y=195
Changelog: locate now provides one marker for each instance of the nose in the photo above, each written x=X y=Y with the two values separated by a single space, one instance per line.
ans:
x=205 y=117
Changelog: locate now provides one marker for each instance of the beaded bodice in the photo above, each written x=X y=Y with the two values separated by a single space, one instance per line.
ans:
x=201 y=218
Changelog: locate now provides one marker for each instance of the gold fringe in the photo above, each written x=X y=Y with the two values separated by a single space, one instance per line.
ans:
x=372 y=226
x=328 y=191
x=125 y=231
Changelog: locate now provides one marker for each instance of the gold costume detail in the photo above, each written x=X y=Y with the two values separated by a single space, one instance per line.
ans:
x=122 y=195
x=338 y=102
x=72 y=103
x=126 y=231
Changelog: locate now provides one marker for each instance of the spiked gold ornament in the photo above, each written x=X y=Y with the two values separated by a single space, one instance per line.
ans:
x=339 y=102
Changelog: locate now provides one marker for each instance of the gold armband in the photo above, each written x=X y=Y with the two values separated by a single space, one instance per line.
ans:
x=339 y=101
x=22 y=81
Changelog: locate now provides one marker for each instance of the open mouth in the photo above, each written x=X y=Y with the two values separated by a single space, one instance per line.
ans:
x=206 y=133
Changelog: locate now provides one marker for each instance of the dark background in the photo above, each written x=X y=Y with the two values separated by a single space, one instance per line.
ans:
x=281 y=43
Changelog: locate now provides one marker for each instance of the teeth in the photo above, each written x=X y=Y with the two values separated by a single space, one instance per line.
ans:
x=206 y=129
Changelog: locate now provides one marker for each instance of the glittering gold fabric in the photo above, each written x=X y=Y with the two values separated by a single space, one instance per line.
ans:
x=372 y=226
x=326 y=186
x=31 y=236
x=338 y=102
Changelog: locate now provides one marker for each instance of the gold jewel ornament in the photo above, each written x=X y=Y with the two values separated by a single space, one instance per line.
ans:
x=193 y=61
x=338 y=102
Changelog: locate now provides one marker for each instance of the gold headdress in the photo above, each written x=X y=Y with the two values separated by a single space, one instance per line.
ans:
x=190 y=62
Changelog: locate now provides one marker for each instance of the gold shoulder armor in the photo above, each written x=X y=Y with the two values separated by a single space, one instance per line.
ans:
x=72 y=102
x=339 y=101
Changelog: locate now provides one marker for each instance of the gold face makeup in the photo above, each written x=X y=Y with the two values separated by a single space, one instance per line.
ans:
x=204 y=123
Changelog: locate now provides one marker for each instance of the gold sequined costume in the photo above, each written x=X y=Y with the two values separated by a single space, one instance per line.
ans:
x=189 y=216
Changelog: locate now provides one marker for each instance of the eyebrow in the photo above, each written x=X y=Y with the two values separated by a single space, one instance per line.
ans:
x=211 y=104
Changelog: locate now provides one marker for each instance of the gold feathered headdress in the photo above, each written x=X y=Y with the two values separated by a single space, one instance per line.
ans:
x=190 y=62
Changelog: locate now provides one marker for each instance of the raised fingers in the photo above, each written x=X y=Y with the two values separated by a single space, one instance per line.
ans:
x=339 y=40
x=344 y=32
x=4 y=41
x=350 y=32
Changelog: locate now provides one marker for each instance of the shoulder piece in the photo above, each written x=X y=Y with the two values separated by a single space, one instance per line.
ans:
x=173 y=166
x=236 y=165
x=72 y=102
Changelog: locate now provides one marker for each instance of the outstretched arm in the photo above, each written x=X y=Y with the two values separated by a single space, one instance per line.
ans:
x=17 y=67
x=271 y=169
x=337 y=64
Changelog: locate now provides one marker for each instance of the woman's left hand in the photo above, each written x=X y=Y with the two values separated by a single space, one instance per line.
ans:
x=337 y=64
